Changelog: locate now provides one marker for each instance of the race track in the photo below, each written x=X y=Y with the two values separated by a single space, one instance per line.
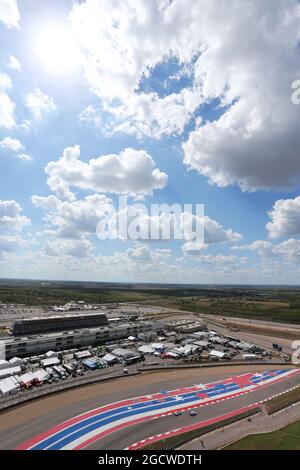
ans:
x=107 y=426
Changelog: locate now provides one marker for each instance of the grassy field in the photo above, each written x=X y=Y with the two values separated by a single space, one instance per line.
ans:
x=281 y=306
x=38 y=295
x=286 y=439
x=283 y=401
x=264 y=303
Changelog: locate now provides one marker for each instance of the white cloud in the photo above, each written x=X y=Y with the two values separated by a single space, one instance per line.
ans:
x=11 y=217
x=213 y=233
x=255 y=143
x=148 y=114
x=14 y=145
x=132 y=37
x=144 y=254
x=25 y=157
x=135 y=223
x=71 y=219
x=90 y=115
x=14 y=63
x=288 y=250
x=5 y=81
x=259 y=127
x=74 y=248
x=9 y=13
x=261 y=247
x=7 y=106
x=130 y=172
x=39 y=104
x=218 y=259
x=9 y=243
x=285 y=218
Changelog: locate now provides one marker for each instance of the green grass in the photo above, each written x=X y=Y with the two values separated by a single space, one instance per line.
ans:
x=233 y=307
x=46 y=296
x=285 y=439
x=283 y=401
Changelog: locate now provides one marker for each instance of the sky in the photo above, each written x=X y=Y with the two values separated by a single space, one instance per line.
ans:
x=164 y=102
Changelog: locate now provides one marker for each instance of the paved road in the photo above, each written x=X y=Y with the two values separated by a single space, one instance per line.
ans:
x=53 y=410
x=264 y=341
x=123 y=438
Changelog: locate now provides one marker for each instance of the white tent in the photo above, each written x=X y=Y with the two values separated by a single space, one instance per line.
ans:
x=50 y=361
x=217 y=354
x=145 y=349
x=109 y=358
x=40 y=375
x=4 y=364
x=16 y=361
x=8 y=386
x=27 y=379
x=51 y=354
x=9 y=371
x=82 y=354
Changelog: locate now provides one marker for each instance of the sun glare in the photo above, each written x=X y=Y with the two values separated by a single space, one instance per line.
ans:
x=57 y=49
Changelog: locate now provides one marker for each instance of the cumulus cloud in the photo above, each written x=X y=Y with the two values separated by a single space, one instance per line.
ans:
x=11 y=217
x=248 y=144
x=10 y=144
x=90 y=115
x=9 y=13
x=132 y=38
x=144 y=254
x=14 y=63
x=73 y=248
x=14 y=145
x=213 y=233
x=25 y=157
x=288 y=250
x=162 y=222
x=9 y=243
x=7 y=106
x=71 y=219
x=39 y=104
x=258 y=125
x=285 y=218
x=130 y=172
x=219 y=259
x=148 y=114
x=261 y=247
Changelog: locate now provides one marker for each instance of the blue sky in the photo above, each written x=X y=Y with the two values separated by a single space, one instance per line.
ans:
x=201 y=112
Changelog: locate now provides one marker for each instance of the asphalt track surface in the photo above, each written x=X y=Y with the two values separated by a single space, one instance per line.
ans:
x=143 y=430
x=17 y=427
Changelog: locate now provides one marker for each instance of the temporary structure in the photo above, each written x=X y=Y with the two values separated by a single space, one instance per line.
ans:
x=8 y=387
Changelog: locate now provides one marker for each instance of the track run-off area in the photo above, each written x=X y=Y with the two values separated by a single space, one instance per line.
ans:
x=107 y=426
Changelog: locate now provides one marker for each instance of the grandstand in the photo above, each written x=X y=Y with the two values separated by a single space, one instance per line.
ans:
x=33 y=326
